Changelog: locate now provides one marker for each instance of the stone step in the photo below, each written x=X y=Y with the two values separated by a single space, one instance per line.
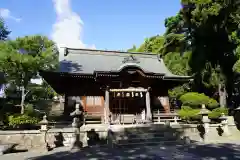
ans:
x=143 y=140
x=173 y=142
x=93 y=122
x=146 y=129
x=144 y=135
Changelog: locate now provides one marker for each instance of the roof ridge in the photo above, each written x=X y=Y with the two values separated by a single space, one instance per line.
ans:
x=66 y=50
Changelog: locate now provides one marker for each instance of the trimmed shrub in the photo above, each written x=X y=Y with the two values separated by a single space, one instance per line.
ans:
x=217 y=112
x=187 y=113
x=195 y=100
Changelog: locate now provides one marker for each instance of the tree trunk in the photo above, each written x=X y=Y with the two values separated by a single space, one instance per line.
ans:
x=22 y=100
x=165 y=103
x=222 y=95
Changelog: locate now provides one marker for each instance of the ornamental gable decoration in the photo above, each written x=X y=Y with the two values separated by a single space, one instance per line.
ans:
x=130 y=59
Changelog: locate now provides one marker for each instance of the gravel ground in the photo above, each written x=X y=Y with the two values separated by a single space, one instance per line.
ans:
x=178 y=152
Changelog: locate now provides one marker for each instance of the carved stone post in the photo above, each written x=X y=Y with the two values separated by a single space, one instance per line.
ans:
x=76 y=144
x=44 y=128
x=224 y=124
x=205 y=120
x=175 y=118
x=148 y=106
x=107 y=115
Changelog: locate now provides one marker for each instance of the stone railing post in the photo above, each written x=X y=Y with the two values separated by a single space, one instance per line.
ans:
x=76 y=144
x=205 y=120
x=43 y=130
x=175 y=120
x=224 y=124
x=110 y=136
x=85 y=138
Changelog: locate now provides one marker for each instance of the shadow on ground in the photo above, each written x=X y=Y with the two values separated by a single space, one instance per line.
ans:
x=158 y=152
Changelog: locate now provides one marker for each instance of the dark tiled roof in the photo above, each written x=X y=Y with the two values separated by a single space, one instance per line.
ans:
x=86 y=61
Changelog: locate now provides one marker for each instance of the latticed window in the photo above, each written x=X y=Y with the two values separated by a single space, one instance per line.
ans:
x=93 y=101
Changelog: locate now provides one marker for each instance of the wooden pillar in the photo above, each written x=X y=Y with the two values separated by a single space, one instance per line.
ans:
x=106 y=108
x=148 y=106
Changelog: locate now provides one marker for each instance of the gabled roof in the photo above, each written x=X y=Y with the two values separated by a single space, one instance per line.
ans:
x=88 y=61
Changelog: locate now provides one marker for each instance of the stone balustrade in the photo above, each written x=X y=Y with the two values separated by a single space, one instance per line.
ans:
x=32 y=139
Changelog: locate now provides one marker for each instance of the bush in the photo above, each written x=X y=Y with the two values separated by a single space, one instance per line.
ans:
x=17 y=120
x=217 y=112
x=29 y=111
x=187 y=113
x=195 y=100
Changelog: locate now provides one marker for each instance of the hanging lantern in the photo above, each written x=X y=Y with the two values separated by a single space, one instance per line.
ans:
x=132 y=94
x=141 y=94
x=136 y=94
x=118 y=94
x=128 y=95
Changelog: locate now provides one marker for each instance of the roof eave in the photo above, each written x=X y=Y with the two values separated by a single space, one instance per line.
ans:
x=178 y=78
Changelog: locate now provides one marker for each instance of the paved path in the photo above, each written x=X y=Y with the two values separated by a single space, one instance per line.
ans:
x=178 y=152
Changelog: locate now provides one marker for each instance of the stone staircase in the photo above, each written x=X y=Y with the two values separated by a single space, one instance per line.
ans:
x=146 y=135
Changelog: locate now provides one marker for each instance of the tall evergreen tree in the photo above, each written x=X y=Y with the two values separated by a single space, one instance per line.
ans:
x=4 y=32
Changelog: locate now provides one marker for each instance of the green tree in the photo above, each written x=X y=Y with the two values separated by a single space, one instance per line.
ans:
x=4 y=32
x=133 y=49
x=21 y=60
x=212 y=30
x=150 y=45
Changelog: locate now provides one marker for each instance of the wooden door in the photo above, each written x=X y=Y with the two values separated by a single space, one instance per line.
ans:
x=93 y=105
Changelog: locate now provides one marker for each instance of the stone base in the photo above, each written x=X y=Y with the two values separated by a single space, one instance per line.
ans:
x=5 y=148
x=43 y=148
x=76 y=146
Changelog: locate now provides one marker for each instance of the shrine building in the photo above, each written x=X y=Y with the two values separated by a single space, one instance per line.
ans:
x=114 y=86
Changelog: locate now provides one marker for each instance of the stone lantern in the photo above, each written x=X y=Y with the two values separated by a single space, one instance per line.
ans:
x=76 y=124
x=44 y=128
x=44 y=124
x=205 y=120
x=224 y=124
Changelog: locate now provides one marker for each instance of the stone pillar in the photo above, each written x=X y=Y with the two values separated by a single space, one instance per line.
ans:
x=148 y=107
x=106 y=105
x=76 y=144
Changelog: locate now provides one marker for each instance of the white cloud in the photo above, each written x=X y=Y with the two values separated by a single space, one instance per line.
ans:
x=68 y=28
x=6 y=14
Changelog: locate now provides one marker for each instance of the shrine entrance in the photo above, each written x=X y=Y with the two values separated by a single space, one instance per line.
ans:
x=126 y=105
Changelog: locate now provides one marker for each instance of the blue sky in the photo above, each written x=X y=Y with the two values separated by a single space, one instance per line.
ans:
x=101 y=24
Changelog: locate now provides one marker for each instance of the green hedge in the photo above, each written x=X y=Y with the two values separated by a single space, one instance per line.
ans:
x=195 y=100
x=217 y=112
x=187 y=113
